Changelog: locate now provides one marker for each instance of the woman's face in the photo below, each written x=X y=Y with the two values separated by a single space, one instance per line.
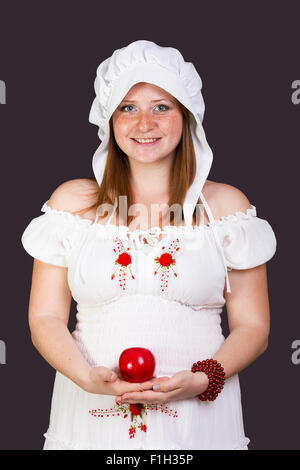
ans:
x=148 y=112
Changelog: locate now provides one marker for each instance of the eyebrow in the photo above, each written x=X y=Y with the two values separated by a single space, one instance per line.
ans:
x=153 y=101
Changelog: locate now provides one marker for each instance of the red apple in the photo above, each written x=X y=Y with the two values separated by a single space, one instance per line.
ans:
x=137 y=364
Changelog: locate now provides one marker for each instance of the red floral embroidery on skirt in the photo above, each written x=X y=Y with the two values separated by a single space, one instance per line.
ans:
x=136 y=414
x=122 y=263
x=165 y=262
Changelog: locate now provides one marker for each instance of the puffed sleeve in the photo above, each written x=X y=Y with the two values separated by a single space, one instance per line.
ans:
x=247 y=240
x=50 y=237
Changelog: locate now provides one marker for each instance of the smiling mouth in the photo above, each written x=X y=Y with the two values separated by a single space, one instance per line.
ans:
x=148 y=141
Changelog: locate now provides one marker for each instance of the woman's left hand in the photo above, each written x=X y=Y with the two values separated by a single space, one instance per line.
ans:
x=183 y=384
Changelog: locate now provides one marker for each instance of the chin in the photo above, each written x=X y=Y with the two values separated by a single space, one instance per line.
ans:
x=147 y=158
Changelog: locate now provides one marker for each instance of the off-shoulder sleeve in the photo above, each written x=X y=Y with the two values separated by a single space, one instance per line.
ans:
x=247 y=240
x=50 y=237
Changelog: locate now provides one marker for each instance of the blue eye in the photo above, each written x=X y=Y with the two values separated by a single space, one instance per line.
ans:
x=126 y=106
x=165 y=106
x=123 y=108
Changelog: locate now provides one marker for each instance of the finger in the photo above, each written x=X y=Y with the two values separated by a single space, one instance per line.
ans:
x=140 y=397
x=149 y=384
x=113 y=376
x=145 y=386
x=138 y=387
x=129 y=387
x=167 y=385
x=106 y=374
x=146 y=397
x=133 y=397
x=153 y=397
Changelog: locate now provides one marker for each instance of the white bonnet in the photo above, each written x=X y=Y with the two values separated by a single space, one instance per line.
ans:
x=145 y=61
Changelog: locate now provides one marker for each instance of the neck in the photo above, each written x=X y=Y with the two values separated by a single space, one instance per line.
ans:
x=150 y=181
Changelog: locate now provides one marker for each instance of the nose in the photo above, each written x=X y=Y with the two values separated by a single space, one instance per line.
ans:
x=146 y=121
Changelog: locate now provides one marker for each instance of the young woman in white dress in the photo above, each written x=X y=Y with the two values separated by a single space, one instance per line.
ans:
x=148 y=111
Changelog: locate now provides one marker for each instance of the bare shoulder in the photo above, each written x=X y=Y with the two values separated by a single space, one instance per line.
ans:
x=225 y=199
x=74 y=195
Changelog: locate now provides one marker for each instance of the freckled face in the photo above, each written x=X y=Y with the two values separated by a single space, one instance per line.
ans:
x=148 y=112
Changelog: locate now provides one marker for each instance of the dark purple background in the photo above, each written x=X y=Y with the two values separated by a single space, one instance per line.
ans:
x=248 y=58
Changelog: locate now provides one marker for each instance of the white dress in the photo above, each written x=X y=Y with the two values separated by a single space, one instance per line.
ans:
x=168 y=298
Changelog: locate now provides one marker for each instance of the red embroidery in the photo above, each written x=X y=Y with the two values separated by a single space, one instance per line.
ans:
x=166 y=261
x=122 y=262
x=136 y=414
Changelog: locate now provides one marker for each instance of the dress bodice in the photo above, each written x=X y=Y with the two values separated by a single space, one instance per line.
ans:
x=189 y=264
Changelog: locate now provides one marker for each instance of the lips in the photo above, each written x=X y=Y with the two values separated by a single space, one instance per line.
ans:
x=147 y=143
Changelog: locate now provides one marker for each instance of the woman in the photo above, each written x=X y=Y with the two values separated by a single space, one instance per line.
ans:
x=160 y=288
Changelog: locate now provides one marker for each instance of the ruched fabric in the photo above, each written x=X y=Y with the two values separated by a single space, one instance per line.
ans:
x=143 y=54
x=247 y=240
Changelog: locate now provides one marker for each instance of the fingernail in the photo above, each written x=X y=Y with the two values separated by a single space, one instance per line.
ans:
x=156 y=387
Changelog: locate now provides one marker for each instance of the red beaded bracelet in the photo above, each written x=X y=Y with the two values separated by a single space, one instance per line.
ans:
x=216 y=375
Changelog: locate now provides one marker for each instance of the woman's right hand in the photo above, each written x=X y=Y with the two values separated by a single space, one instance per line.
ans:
x=103 y=381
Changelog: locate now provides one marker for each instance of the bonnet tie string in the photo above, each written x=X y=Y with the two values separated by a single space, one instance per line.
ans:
x=214 y=229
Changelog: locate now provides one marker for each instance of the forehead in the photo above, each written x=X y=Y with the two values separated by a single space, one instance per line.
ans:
x=147 y=90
